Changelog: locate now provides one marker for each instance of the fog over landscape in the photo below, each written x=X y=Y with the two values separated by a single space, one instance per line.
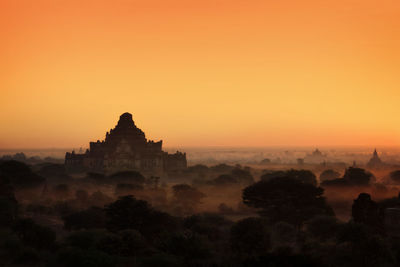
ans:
x=204 y=162
x=246 y=155
x=223 y=201
x=212 y=133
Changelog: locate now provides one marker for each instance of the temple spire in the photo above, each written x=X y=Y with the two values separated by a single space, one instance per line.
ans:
x=375 y=161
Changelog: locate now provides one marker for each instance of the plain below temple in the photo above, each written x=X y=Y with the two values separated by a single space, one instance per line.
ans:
x=125 y=148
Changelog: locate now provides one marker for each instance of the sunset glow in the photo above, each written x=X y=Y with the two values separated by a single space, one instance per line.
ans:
x=201 y=73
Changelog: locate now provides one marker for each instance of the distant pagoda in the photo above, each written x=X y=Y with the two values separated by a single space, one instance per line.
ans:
x=375 y=161
x=316 y=157
x=125 y=148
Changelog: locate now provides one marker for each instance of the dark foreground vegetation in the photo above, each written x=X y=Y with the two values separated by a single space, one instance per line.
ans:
x=278 y=218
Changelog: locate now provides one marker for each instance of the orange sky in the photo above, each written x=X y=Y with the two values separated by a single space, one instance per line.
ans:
x=194 y=73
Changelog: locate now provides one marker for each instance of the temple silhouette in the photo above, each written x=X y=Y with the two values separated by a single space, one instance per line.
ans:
x=125 y=148
x=375 y=161
x=315 y=157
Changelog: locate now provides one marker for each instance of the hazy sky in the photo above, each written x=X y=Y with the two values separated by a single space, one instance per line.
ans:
x=193 y=73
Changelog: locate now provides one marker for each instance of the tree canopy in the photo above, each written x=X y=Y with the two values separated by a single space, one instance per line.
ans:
x=250 y=237
x=19 y=174
x=286 y=199
x=302 y=175
x=186 y=198
x=130 y=213
x=352 y=177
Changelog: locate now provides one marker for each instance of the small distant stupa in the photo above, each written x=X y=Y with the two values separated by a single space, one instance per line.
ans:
x=375 y=161
x=316 y=157
x=317 y=153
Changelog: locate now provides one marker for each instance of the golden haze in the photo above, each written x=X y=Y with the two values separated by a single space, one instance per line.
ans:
x=194 y=73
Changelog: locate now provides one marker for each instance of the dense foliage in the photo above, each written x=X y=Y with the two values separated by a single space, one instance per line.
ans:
x=95 y=221
x=286 y=199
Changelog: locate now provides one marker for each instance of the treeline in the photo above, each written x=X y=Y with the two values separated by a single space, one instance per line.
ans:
x=128 y=226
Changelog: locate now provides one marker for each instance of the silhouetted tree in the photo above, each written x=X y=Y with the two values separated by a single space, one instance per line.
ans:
x=302 y=175
x=186 y=244
x=198 y=168
x=283 y=235
x=110 y=243
x=352 y=177
x=208 y=224
x=34 y=235
x=77 y=257
x=8 y=211
x=287 y=199
x=52 y=171
x=85 y=239
x=283 y=257
x=364 y=248
x=20 y=175
x=305 y=176
x=242 y=176
x=199 y=172
x=6 y=189
x=250 y=237
x=366 y=211
x=127 y=243
x=224 y=180
x=8 y=204
x=222 y=168
x=357 y=176
x=267 y=175
x=130 y=213
x=63 y=208
x=127 y=213
x=132 y=243
x=92 y=218
x=162 y=259
x=187 y=197
x=322 y=227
